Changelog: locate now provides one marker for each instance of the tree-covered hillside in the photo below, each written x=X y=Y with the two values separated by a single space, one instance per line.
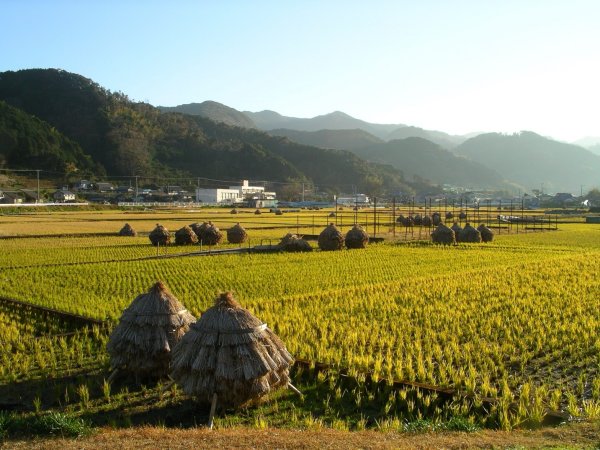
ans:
x=127 y=138
x=28 y=142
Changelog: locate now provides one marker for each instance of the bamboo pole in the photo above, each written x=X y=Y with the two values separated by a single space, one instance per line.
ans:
x=211 y=416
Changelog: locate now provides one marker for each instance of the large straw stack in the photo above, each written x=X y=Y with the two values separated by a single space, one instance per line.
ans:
x=208 y=233
x=237 y=234
x=231 y=354
x=436 y=219
x=487 y=235
x=147 y=332
x=470 y=234
x=127 y=230
x=427 y=222
x=357 y=237
x=331 y=238
x=292 y=243
x=457 y=230
x=185 y=236
x=160 y=236
x=443 y=235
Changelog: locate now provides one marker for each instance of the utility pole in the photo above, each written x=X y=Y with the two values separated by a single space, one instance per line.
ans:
x=38 y=186
x=136 y=188
x=303 y=193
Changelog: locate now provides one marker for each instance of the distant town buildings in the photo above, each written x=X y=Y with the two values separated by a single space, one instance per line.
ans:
x=251 y=196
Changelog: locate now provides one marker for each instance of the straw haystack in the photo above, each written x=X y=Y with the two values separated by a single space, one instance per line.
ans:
x=443 y=235
x=258 y=212
x=457 y=230
x=231 y=354
x=487 y=235
x=160 y=236
x=470 y=234
x=127 y=230
x=208 y=233
x=449 y=215
x=185 y=236
x=427 y=222
x=408 y=221
x=331 y=238
x=234 y=211
x=462 y=215
x=292 y=243
x=332 y=214
x=236 y=234
x=418 y=220
x=400 y=219
x=436 y=219
x=278 y=212
x=357 y=237
x=147 y=332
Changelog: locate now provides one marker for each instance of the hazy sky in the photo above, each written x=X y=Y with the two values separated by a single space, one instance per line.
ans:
x=456 y=66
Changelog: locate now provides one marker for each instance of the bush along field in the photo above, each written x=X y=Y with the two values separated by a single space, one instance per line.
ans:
x=397 y=336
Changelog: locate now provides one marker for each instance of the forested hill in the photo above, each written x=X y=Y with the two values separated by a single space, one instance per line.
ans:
x=28 y=142
x=532 y=160
x=127 y=138
x=214 y=111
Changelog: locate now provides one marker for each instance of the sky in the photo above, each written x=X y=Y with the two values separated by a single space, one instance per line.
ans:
x=455 y=66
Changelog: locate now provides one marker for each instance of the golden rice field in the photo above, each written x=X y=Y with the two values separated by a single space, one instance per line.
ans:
x=517 y=319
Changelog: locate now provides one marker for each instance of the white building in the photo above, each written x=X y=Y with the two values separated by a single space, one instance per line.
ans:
x=358 y=199
x=218 y=196
x=238 y=194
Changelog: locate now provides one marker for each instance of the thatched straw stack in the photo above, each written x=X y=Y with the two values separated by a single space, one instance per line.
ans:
x=236 y=234
x=279 y=212
x=234 y=211
x=418 y=220
x=230 y=353
x=185 y=236
x=470 y=234
x=332 y=214
x=400 y=219
x=292 y=243
x=258 y=212
x=449 y=215
x=357 y=237
x=457 y=230
x=147 y=332
x=462 y=215
x=208 y=233
x=487 y=235
x=408 y=221
x=443 y=235
x=127 y=230
x=436 y=219
x=331 y=238
x=427 y=222
x=160 y=235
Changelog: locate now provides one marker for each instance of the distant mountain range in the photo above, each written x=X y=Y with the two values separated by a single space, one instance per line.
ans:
x=56 y=120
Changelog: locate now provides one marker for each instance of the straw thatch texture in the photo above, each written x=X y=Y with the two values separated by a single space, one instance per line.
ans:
x=449 y=215
x=357 y=237
x=487 y=235
x=457 y=230
x=436 y=219
x=400 y=219
x=292 y=243
x=208 y=233
x=279 y=212
x=331 y=238
x=234 y=211
x=418 y=220
x=462 y=215
x=160 y=235
x=408 y=221
x=332 y=214
x=185 y=236
x=443 y=235
x=257 y=212
x=147 y=332
x=127 y=230
x=470 y=234
x=231 y=353
x=427 y=222
x=236 y=234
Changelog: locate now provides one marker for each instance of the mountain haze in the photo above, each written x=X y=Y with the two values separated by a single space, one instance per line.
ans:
x=422 y=159
x=271 y=120
x=531 y=160
x=440 y=138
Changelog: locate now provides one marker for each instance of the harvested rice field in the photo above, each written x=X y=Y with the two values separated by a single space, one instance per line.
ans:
x=400 y=336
